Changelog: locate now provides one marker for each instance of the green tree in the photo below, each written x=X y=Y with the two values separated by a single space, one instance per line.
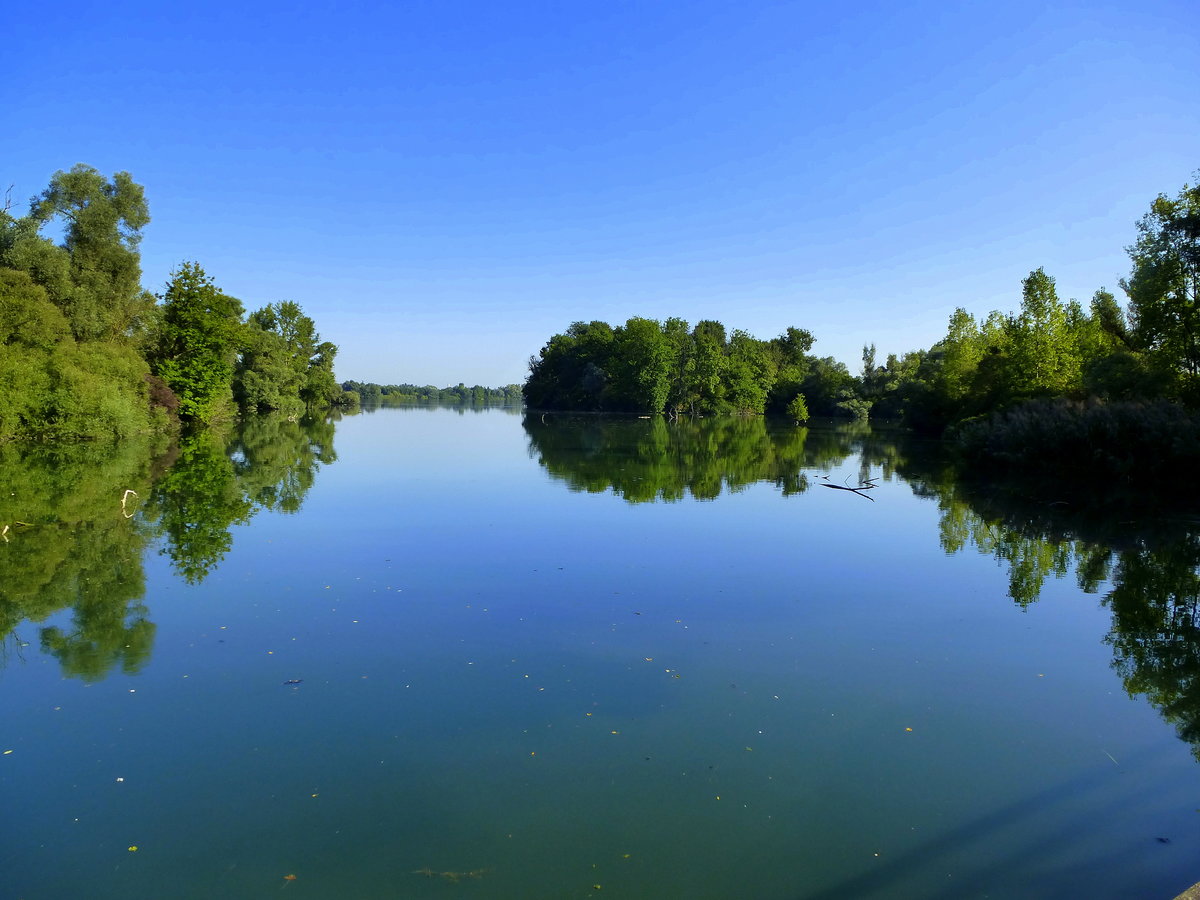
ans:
x=321 y=389
x=1045 y=361
x=792 y=365
x=641 y=366
x=750 y=373
x=200 y=338
x=1164 y=286
x=103 y=220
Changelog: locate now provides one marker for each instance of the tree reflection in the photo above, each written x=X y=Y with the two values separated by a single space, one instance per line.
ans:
x=643 y=460
x=75 y=538
x=195 y=504
x=70 y=545
x=1146 y=565
x=1150 y=566
x=1155 y=638
x=217 y=483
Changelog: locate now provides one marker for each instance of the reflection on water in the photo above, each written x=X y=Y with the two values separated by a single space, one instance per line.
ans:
x=79 y=521
x=216 y=483
x=644 y=460
x=1148 y=569
x=71 y=545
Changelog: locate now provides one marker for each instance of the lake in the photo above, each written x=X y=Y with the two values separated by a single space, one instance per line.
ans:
x=433 y=653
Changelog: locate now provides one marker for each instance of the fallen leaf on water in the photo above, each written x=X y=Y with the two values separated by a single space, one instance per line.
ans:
x=133 y=849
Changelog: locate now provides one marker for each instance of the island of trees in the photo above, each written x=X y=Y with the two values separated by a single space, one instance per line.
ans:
x=88 y=353
x=1113 y=386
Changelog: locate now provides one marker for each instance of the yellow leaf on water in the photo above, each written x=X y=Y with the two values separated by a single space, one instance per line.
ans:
x=133 y=849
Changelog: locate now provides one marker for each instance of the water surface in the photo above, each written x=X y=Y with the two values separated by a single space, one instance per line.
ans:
x=439 y=653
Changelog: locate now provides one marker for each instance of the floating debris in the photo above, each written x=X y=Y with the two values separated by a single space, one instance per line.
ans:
x=453 y=877
x=294 y=681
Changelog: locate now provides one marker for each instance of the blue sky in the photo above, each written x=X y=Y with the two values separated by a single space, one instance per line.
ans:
x=443 y=185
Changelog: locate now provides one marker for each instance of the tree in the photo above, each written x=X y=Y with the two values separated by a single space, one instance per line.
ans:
x=793 y=366
x=283 y=364
x=201 y=335
x=641 y=365
x=750 y=373
x=1044 y=359
x=1164 y=286
x=798 y=409
x=103 y=221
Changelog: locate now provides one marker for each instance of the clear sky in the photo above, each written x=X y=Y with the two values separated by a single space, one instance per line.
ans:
x=444 y=184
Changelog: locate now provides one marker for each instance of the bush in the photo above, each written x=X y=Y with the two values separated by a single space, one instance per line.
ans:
x=1150 y=447
x=798 y=409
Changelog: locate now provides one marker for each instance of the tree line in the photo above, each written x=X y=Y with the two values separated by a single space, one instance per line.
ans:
x=370 y=394
x=88 y=353
x=1145 y=351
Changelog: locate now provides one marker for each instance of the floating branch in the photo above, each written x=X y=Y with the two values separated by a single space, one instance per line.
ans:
x=861 y=490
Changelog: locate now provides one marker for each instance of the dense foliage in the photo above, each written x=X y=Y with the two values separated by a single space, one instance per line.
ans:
x=646 y=366
x=87 y=353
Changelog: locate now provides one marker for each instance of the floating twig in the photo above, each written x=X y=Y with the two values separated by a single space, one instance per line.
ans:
x=861 y=491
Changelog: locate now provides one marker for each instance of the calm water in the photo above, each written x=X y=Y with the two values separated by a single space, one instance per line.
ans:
x=440 y=654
